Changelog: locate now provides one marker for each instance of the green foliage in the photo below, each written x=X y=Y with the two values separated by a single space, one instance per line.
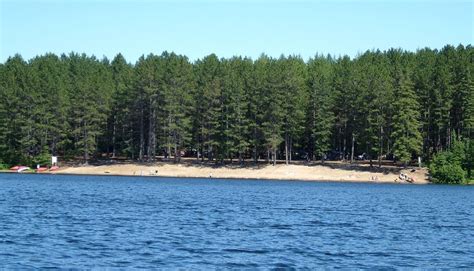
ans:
x=319 y=117
x=390 y=103
x=43 y=159
x=451 y=174
x=177 y=103
x=454 y=165
x=468 y=163
x=121 y=118
x=376 y=100
x=208 y=107
x=406 y=124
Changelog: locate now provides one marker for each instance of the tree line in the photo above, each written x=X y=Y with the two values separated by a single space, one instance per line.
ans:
x=392 y=104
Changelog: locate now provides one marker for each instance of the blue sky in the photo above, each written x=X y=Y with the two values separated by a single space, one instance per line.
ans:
x=227 y=28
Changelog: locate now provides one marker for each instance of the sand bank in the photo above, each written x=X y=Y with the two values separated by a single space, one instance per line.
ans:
x=280 y=172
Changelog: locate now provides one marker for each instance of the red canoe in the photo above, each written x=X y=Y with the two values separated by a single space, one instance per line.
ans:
x=41 y=169
x=54 y=168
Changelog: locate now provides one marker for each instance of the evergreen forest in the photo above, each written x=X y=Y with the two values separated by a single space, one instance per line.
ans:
x=380 y=105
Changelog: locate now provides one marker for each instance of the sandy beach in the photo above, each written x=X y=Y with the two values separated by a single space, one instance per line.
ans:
x=327 y=172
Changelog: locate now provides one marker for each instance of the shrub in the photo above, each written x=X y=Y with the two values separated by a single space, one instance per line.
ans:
x=451 y=174
x=42 y=159
x=469 y=159
x=452 y=166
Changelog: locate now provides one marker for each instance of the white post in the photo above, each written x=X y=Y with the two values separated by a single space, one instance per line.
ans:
x=54 y=160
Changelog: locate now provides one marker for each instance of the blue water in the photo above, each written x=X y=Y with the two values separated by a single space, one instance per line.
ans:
x=89 y=221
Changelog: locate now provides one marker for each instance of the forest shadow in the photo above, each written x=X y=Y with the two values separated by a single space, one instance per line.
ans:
x=387 y=166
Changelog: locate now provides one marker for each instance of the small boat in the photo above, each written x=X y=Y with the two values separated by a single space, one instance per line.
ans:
x=15 y=168
x=22 y=168
x=41 y=169
x=53 y=168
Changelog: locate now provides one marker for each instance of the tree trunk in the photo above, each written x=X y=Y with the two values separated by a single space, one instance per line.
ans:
x=286 y=148
x=132 y=143
x=175 y=153
x=291 y=147
x=352 y=148
x=53 y=147
x=202 y=153
x=114 y=131
x=201 y=146
x=179 y=154
x=168 y=138
x=86 y=144
x=142 y=137
x=438 y=143
x=255 y=146
x=344 y=141
x=339 y=143
x=210 y=153
x=448 y=140
x=151 y=133
x=380 y=146
x=274 y=157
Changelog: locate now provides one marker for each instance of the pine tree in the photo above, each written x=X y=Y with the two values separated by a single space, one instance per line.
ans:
x=149 y=94
x=207 y=106
x=16 y=102
x=51 y=103
x=319 y=116
x=91 y=90
x=406 y=134
x=344 y=107
x=375 y=102
x=3 y=116
x=236 y=81
x=120 y=119
x=423 y=83
x=293 y=88
x=442 y=98
x=256 y=93
x=462 y=92
x=468 y=119
x=273 y=117
x=178 y=84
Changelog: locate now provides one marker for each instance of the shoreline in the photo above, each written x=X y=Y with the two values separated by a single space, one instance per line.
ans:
x=215 y=178
x=329 y=172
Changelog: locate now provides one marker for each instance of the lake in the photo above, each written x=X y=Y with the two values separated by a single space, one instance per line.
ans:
x=137 y=222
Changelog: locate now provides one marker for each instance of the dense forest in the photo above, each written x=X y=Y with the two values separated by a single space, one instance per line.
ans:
x=392 y=104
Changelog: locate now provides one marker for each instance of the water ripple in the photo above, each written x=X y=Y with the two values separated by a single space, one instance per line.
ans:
x=124 y=222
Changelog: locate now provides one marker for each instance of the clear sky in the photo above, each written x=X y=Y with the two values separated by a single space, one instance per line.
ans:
x=227 y=28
